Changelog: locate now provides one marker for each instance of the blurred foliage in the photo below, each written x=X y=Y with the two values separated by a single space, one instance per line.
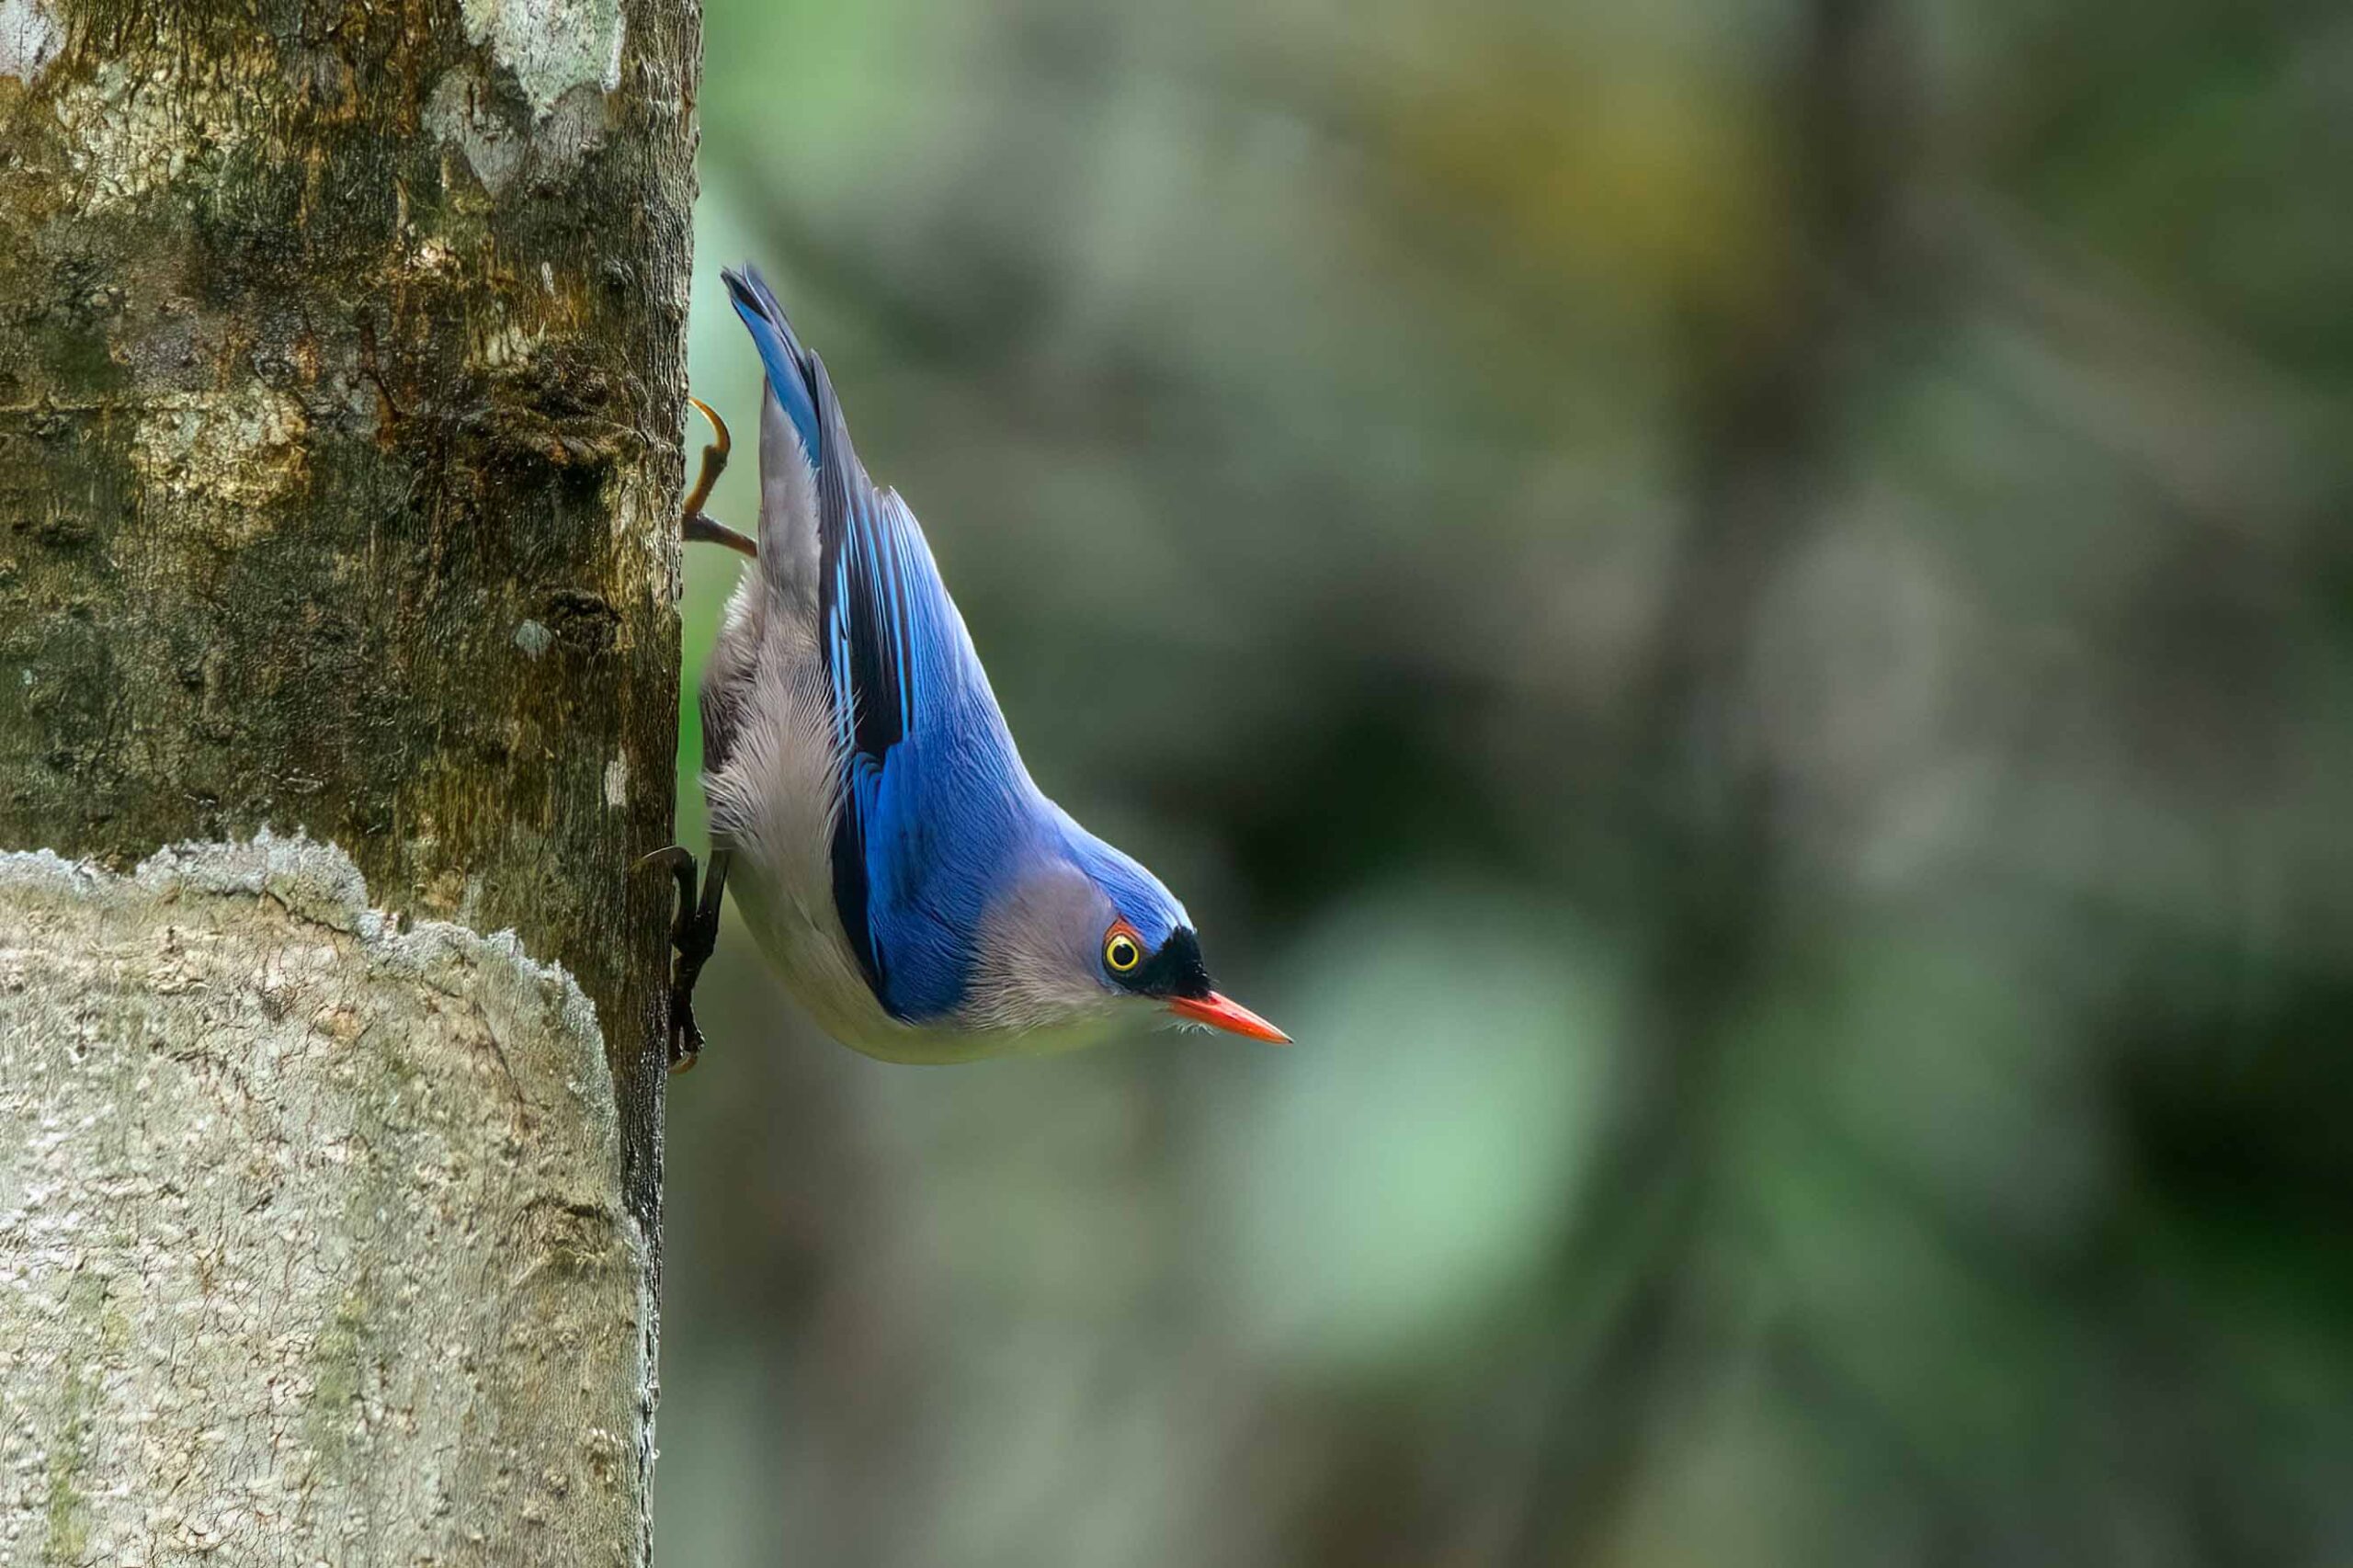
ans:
x=1737 y=616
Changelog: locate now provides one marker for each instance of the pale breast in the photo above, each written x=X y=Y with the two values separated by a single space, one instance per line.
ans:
x=772 y=803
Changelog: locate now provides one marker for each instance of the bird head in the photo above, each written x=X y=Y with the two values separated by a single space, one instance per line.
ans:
x=1087 y=933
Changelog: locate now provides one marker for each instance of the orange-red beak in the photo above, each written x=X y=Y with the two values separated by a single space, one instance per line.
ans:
x=1224 y=1013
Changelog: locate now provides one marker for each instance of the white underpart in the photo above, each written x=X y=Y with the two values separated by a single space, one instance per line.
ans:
x=773 y=804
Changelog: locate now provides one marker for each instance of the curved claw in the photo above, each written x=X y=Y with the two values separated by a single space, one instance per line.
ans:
x=694 y=933
x=685 y=1036
x=714 y=459
x=669 y=858
x=692 y=524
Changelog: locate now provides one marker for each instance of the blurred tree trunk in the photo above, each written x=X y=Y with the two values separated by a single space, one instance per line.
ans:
x=341 y=379
x=1695 y=778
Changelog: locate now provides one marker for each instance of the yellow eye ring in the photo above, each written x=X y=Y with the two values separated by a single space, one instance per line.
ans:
x=1122 y=951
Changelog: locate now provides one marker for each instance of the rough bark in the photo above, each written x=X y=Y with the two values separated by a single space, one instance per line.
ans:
x=310 y=1241
x=341 y=380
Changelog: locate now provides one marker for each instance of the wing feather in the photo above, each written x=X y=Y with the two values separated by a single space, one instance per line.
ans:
x=786 y=363
x=931 y=794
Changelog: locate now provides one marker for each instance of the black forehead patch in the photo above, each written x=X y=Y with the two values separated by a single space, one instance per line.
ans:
x=1174 y=971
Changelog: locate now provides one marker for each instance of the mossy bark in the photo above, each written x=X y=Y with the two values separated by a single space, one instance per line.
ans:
x=341 y=390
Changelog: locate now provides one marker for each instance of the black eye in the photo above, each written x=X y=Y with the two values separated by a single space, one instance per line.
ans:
x=1121 y=953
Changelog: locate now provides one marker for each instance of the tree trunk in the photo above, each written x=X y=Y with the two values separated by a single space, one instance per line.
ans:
x=341 y=391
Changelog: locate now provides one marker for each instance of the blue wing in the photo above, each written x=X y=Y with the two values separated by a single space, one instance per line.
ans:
x=792 y=368
x=931 y=790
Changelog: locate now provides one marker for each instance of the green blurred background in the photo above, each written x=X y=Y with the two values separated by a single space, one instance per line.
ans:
x=1738 y=615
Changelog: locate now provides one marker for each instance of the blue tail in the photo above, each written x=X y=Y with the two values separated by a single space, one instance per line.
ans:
x=789 y=364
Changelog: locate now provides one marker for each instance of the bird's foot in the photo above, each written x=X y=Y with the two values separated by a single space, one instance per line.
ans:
x=694 y=933
x=693 y=525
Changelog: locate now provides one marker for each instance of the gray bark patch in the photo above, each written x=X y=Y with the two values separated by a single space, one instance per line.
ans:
x=312 y=1245
x=552 y=46
x=30 y=36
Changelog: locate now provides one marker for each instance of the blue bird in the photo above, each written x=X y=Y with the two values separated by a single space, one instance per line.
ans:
x=915 y=889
